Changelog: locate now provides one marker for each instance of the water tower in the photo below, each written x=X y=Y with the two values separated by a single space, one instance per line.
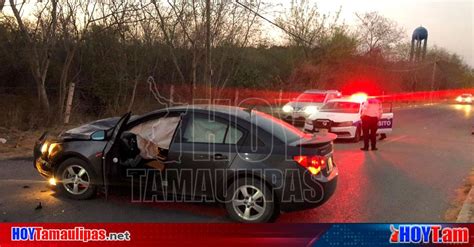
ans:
x=419 y=36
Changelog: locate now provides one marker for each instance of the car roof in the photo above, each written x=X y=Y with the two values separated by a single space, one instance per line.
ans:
x=321 y=91
x=344 y=100
x=239 y=112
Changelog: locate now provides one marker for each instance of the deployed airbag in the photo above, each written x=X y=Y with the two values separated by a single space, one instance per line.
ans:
x=155 y=135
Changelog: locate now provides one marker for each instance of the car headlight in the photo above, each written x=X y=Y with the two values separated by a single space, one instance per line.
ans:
x=344 y=124
x=44 y=148
x=459 y=99
x=287 y=108
x=311 y=109
x=469 y=100
x=53 y=149
x=49 y=149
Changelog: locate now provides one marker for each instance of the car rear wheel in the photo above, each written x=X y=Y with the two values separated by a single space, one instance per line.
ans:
x=250 y=201
x=77 y=179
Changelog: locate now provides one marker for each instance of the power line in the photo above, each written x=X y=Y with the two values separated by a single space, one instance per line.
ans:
x=272 y=22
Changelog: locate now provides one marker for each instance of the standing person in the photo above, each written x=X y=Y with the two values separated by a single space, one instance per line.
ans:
x=371 y=113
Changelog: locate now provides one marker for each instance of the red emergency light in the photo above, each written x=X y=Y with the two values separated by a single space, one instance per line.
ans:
x=359 y=97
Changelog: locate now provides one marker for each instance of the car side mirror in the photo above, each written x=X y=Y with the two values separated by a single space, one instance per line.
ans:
x=98 y=135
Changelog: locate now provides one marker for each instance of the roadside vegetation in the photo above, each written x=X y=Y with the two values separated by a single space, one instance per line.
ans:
x=110 y=57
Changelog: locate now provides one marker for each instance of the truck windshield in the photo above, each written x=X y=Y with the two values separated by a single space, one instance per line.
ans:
x=311 y=97
x=341 y=107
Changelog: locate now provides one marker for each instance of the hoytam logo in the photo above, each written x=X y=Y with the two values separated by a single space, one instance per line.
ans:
x=75 y=234
x=435 y=234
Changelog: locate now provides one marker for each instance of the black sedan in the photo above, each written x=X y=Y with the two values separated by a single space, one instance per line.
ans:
x=254 y=164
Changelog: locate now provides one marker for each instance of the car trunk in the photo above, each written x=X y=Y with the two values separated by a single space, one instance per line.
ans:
x=317 y=144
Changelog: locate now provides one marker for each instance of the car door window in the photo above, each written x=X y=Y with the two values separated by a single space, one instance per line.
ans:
x=233 y=135
x=201 y=129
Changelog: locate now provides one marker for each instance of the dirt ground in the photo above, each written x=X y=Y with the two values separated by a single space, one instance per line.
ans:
x=19 y=144
x=461 y=194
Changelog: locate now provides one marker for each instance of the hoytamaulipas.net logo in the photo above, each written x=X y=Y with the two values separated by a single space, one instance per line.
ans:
x=433 y=234
x=73 y=234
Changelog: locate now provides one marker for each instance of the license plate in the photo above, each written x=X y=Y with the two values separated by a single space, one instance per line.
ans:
x=330 y=164
x=323 y=131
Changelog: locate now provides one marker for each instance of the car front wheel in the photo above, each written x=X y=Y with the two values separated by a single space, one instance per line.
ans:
x=77 y=179
x=357 y=135
x=250 y=201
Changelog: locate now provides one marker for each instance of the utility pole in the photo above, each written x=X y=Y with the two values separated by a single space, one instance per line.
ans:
x=208 y=69
x=70 y=96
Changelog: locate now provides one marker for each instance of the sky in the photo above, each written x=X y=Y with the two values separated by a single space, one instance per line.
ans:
x=450 y=23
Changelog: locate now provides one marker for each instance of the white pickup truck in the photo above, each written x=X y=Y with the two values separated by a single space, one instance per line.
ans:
x=342 y=117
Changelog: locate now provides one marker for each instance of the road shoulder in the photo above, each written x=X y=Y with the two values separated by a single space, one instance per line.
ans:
x=466 y=214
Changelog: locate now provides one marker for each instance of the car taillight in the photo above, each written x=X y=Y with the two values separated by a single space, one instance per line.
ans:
x=313 y=164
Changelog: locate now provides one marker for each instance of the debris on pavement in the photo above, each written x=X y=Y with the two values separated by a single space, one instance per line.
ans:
x=26 y=187
x=3 y=140
x=39 y=206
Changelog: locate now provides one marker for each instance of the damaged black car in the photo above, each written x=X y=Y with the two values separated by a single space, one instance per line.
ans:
x=253 y=163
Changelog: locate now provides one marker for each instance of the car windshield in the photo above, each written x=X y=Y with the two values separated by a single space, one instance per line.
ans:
x=277 y=127
x=466 y=95
x=340 y=107
x=311 y=97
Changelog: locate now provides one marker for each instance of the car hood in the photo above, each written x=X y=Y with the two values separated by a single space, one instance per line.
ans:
x=335 y=116
x=300 y=105
x=84 y=132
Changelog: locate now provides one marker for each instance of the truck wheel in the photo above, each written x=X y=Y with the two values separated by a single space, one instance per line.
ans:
x=250 y=201
x=76 y=179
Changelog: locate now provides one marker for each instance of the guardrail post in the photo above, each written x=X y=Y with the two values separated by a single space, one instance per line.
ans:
x=280 y=97
x=171 y=95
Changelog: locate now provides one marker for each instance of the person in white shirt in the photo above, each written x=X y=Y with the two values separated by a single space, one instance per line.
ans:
x=370 y=116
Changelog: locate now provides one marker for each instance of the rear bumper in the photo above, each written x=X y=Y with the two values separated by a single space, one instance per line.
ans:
x=318 y=190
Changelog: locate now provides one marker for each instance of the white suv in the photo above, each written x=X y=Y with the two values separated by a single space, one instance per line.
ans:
x=297 y=110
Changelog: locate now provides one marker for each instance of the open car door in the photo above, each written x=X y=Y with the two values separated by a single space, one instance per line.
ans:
x=108 y=154
x=386 y=122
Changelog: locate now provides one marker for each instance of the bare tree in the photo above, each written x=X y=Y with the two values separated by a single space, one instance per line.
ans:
x=75 y=19
x=184 y=24
x=168 y=24
x=377 y=32
x=40 y=40
x=239 y=29
x=306 y=23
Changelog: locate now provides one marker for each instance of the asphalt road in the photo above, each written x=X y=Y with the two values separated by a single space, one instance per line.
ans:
x=412 y=178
